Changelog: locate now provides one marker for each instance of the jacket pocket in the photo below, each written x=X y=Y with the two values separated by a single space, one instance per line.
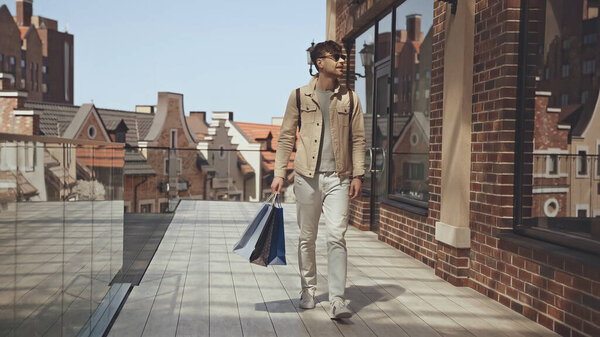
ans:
x=308 y=113
x=343 y=115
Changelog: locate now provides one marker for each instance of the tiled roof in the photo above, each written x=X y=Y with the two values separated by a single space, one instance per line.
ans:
x=256 y=132
x=576 y=116
x=24 y=31
x=111 y=124
x=136 y=164
x=55 y=118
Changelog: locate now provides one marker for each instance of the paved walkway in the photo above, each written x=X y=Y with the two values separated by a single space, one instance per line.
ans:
x=195 y=286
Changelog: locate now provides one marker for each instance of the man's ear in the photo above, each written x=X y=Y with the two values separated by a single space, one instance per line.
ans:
x=319 y=60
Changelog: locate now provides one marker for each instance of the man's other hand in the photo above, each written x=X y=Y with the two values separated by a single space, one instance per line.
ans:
x=276 y=185
x=355 y=188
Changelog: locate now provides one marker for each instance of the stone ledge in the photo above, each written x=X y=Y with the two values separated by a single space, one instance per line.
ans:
x=458 y=237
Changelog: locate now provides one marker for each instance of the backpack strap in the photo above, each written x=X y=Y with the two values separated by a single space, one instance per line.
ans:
x=351 y=111
x=298 y=106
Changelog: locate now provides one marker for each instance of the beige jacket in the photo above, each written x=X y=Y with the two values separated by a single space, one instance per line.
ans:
x=348 y=134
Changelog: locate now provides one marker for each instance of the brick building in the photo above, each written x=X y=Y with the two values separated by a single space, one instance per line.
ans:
x=241 y=158
x=152 y=136
x=454 y=116
x=35 y=55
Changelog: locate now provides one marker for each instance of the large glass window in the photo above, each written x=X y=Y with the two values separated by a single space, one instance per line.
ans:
x=364 y=65
x=409 y=164
x=566 y=119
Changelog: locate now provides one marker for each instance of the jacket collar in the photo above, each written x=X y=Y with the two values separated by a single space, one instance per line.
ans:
x=312 y=87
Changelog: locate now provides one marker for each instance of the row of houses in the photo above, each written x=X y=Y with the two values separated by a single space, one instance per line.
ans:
x=223 y=159
x=220 y=160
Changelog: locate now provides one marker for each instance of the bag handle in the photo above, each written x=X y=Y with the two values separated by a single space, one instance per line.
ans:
x=273 y=198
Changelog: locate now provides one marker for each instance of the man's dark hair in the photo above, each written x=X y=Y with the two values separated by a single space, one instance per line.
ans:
x=324 y=48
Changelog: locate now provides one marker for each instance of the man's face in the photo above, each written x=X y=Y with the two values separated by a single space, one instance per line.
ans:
x=332 y=64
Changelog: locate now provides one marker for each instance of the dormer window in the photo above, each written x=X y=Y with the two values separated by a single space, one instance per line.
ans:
x=120 y=137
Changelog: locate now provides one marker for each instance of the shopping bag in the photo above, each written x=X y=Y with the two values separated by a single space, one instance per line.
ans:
x=247 y=243
x=267 y=241
x=277 y=253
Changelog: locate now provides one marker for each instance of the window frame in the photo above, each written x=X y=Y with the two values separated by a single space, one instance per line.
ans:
x=411 y=205
x=166 y=166
x=522 y=164
x=581 y=162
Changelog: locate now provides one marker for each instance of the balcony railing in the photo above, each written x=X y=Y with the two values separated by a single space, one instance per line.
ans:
x=61 y=234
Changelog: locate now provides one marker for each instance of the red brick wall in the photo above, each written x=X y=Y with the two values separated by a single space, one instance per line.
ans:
x=10 y=42
x=360 y=213
x=33 y=56
x=534 y=278
x=547 y=287
x=546 y=132
x=492 y=137
x=156 y=158
x=25 y=125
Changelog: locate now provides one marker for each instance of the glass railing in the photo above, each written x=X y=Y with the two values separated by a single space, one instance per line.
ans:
x=79 y=217
x=565 y=199
x=156 y=178
x=61 y=233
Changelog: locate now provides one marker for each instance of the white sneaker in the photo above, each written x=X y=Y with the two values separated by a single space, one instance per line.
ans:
x=307 y=298
x=339 y=309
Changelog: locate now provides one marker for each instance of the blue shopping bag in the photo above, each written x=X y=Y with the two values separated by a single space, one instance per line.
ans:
x=277 y=251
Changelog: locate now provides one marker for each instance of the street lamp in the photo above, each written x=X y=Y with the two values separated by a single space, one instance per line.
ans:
x=308 y=58
x=366 y=57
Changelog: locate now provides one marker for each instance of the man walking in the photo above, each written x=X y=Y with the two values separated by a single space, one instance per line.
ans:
x=329 y=167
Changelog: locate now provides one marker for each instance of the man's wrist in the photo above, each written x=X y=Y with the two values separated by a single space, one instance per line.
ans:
x=360 y=177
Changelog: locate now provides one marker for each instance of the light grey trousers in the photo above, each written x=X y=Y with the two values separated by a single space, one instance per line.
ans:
x=327 y=192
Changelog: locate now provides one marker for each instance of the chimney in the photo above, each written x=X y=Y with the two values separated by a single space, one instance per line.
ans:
x=413 y=27
x=276 y=121
x=24 y=12
x=199 y=114
x=147 y=109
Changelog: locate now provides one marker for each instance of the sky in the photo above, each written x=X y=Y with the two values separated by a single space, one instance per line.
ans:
x=229 y=55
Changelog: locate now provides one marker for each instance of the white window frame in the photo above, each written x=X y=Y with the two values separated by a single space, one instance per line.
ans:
x=171 y=139
x=145 y=202
x=578 y=162
x=165 y=165
x=92 y=129
x=547 y=203
x=162 y=201
x=547 y=152
x=549 y=166
x=580 y=207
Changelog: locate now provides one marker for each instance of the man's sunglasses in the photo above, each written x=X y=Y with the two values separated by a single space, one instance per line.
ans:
x=335 y=57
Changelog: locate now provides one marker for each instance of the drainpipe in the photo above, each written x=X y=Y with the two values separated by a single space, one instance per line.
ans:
x=135 y=192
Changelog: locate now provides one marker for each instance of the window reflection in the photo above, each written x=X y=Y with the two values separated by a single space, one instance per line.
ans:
x=364 y=56
x=567 y=122
x=410 y=107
